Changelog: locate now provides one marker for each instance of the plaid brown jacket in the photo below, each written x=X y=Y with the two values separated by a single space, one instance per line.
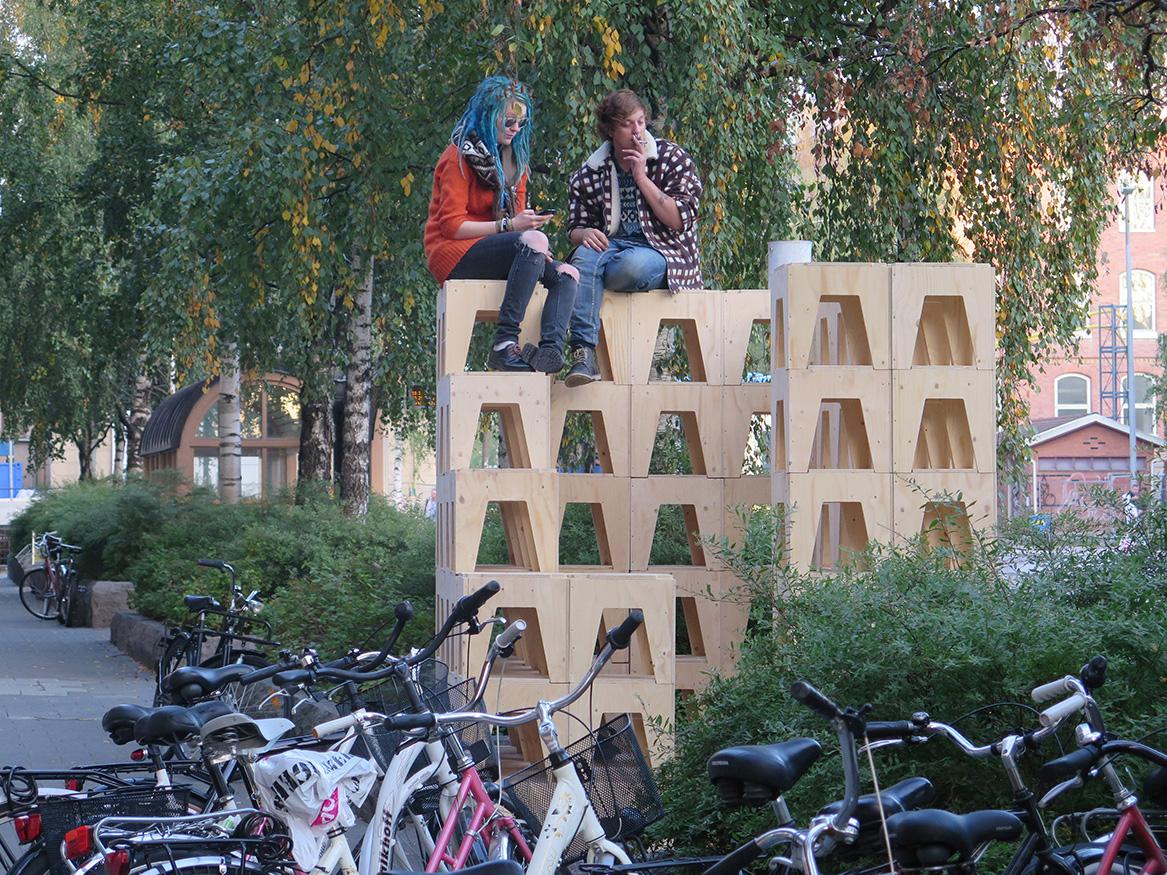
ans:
x=594 y=202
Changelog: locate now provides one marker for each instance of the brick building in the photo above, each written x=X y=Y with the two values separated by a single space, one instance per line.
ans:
x=1069 y=453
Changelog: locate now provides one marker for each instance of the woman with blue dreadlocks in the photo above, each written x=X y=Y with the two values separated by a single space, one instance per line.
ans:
x=479 y=226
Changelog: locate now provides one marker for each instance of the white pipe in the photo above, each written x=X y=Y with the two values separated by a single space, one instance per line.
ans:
x=1034 y=487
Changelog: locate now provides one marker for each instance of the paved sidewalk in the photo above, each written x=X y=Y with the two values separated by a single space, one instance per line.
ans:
x=55 y=683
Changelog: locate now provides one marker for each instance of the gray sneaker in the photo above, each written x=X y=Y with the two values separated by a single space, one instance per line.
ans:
x=547 y=359
x=509 y=358
x=583 y=367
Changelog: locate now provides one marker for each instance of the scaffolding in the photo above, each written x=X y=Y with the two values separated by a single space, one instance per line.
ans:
x=1111 y=360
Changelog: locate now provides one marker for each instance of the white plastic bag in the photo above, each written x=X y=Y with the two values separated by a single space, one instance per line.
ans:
x=313 y=792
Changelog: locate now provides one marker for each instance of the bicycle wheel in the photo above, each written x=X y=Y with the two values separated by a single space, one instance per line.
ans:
x=259 y=700
x=38 y=596
x=173 y=657
x=68 y=598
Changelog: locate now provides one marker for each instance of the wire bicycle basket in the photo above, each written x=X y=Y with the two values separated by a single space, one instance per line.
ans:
x=615 y=774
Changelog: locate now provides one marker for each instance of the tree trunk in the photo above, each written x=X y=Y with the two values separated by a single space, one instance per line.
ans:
x=398 y=471
x=354 y=472
x=84 y=458
x=119 y=458
x=230 y=441
x=315 y=461
x=139 y=415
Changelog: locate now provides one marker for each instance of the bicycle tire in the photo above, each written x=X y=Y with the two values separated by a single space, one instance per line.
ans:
x=68 y=598
x=38 y=597
x=173 y=657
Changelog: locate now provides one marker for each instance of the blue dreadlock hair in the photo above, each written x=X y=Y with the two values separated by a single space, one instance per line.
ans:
x=489 y=103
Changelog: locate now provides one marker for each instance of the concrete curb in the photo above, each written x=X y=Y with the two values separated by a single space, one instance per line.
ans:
x=138 y=637
x=108 y=598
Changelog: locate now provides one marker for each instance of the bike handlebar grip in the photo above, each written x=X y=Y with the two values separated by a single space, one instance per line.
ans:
x=511 y=634
x=262 y=674
x=1075 y=763
x=736 y=861
x=411 y=721
x=404 y=611
x=212 y=563
x=340 y=724
x=813 y=699
x=881 y=730
x=293 y=677
x=1049 y=691
x=469 y=605
x=1062 y=709
x=620 y=637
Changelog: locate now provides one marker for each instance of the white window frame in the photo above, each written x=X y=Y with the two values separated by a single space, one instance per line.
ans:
x=1061 y=409
x=1148 y=404
x=1123 y=298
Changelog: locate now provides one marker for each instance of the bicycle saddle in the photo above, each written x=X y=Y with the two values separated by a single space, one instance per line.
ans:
x=192 y=682
x=755 y=774
x=931 y=837
x=228 y=734
x=493 y=867
x=196 y=603
x=908 y=794
x=172 y=724
x=119 y=722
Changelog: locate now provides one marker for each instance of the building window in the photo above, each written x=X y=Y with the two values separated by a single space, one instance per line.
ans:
x=1142 y=204
x=1143 y=282
x=1145 y=419
x=1071 y=395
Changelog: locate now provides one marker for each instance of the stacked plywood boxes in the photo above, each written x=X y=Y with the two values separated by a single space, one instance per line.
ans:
x=566 y=607
x=884 y=399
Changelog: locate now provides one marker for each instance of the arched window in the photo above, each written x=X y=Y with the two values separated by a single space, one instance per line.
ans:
x=1143 y=282
x=1142 y=204
x=1071 y=395
x=1145 y=419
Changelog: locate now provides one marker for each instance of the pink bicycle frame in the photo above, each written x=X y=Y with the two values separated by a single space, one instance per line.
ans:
x=471 y=785
x=1132 y=822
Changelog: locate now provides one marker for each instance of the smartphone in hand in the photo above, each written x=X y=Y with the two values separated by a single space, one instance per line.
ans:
x=546 y=211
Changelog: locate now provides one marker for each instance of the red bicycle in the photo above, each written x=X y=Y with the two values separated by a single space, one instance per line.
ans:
x=48 y=590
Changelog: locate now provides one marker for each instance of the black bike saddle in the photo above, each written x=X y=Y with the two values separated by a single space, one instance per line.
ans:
x=191 y=682
x=119 y=722
x=196 y=603
x=755 y=774
x=173 y=724
x=932 y=837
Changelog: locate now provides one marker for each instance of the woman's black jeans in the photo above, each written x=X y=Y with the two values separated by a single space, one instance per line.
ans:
x=504 y=256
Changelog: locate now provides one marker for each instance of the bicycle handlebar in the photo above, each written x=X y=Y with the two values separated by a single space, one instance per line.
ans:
x=411 y=721
x=810 y=697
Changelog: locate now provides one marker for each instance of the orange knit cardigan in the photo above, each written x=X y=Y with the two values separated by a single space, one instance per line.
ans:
x=459 y=196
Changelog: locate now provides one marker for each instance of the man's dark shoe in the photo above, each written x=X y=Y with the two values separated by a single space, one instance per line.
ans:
x=548 y=359
x=583 y=367
x=509 y=358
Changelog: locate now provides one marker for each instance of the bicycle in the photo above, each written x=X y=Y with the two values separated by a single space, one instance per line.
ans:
x=185 y=645
x=48 y=590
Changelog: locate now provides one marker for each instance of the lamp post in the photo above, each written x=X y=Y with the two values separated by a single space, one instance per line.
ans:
x=1128 y=188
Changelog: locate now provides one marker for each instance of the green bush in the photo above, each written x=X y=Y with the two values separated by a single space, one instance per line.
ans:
x=105 y=518
x=326 y=580
x=918 y=630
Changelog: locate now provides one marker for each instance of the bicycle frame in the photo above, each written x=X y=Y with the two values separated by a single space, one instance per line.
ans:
x=1132 y=823
x=570 y=813
x=481 y=824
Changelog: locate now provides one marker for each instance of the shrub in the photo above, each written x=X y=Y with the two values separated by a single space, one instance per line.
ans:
x=920 y=631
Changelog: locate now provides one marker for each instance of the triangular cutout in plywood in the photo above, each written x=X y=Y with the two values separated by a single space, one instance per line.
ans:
x=584 y=447
x=946 y=526
x=840 y=439
x=757 y=365
x=481 y=339
x=583 y=536
x=678 y=356
x=944 y=440
x=500 y=441
x=676 y=538
x=840 y=332
x=507 y=537
x=841 y=536
x=677 y=447
x=944 y=337
x=690 y=637
x=756 y=459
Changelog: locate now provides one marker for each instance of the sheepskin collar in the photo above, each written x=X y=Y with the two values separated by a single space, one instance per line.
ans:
x=604 y=153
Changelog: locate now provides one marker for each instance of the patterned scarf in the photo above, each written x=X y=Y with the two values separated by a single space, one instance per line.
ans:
x=476 y=154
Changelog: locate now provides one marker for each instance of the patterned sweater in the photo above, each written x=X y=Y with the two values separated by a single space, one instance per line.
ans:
x=594 y=202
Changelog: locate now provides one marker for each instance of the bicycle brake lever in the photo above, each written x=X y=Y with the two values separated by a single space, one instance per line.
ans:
x=1059 y=789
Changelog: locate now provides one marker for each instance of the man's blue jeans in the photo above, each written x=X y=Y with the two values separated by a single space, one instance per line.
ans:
x=623 y=267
